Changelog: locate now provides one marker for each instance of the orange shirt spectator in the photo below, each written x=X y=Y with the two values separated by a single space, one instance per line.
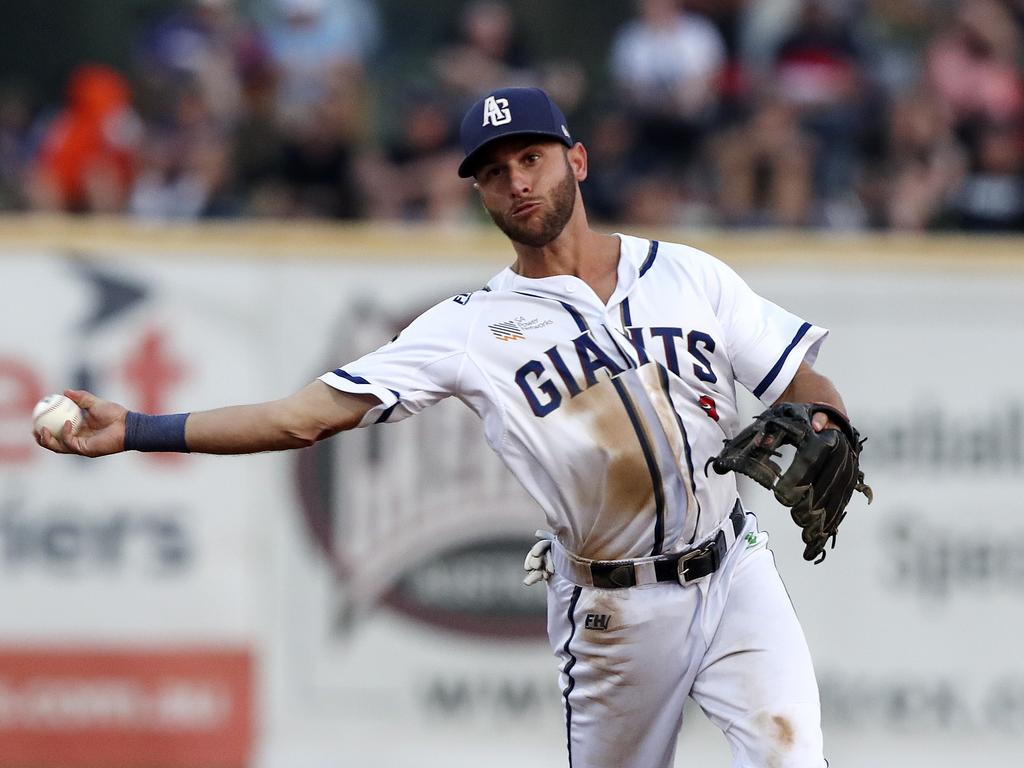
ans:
x=85 y=163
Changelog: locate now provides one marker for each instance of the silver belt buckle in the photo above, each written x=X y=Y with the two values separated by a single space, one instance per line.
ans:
x=681 y=564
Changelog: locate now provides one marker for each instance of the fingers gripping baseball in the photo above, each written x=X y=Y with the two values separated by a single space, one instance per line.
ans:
x=100 y=432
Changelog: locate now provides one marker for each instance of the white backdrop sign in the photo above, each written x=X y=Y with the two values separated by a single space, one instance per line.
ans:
x=374 y=579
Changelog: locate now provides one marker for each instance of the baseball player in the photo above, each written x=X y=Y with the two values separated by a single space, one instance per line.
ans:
x=604 y=368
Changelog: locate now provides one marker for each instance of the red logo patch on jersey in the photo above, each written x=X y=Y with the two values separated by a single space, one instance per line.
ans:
x=709 y=406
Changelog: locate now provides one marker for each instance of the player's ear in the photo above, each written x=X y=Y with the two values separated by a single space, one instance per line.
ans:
x=577 y=157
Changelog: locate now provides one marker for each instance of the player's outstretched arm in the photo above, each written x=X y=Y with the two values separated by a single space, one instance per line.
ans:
x=313 y=413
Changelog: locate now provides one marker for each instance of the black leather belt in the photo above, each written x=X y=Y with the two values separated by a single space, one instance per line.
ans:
x=679 y=567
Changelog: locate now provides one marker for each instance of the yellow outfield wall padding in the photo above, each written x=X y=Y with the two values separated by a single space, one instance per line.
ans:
x=396 y=243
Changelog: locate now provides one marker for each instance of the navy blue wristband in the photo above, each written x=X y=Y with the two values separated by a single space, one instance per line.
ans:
x=166 y=432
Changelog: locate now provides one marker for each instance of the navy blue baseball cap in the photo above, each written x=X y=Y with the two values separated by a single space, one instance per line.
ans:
x=509 y=112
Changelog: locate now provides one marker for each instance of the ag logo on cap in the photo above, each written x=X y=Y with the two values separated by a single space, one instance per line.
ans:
x=496 y=111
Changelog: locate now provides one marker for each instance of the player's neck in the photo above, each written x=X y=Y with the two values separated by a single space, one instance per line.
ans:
x=592 y=257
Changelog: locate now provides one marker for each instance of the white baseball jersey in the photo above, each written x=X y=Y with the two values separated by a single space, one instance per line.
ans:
x=606 y=413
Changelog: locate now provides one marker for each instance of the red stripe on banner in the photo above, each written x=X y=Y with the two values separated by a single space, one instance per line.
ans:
x=135 y=709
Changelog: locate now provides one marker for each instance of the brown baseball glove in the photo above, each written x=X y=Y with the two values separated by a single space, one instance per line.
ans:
x=821 y=479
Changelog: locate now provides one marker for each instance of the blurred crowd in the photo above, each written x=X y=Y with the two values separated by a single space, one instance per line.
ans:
x=837 y=114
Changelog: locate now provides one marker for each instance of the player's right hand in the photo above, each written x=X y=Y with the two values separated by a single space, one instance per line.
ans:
x=101 y=433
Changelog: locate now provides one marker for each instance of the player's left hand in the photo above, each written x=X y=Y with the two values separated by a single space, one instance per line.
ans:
x=822 y=476
x=820 y=421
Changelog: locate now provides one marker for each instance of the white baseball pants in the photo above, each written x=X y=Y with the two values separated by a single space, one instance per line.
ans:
x=732 y=641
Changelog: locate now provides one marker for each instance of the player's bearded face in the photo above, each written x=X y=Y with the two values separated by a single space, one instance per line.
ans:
x=556 y=210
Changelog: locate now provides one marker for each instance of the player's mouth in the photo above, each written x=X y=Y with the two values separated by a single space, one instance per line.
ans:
x=525 y=209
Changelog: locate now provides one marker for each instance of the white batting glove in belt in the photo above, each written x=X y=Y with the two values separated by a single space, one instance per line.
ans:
x=538 y=564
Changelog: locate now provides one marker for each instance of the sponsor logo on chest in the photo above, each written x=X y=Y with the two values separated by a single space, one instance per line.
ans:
x=514 y=330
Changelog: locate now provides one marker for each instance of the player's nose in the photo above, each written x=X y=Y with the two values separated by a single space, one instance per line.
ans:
x=519 y=180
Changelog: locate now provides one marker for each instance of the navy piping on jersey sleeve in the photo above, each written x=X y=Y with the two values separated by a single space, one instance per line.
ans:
x=360 y=380
x=651 y=254
x=387 y=414
x=774 y=372
x=354 y=379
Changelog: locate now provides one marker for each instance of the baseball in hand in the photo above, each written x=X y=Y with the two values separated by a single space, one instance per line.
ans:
x=52 y=411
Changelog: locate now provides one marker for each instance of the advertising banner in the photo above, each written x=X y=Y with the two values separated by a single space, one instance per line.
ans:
x=123 y=707
x=128 y=615
x=364 y=595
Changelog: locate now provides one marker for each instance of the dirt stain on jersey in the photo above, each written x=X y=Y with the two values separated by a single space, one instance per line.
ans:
x=784 y=731
x=779 y=736
x=783 y=737
x=628 y=490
